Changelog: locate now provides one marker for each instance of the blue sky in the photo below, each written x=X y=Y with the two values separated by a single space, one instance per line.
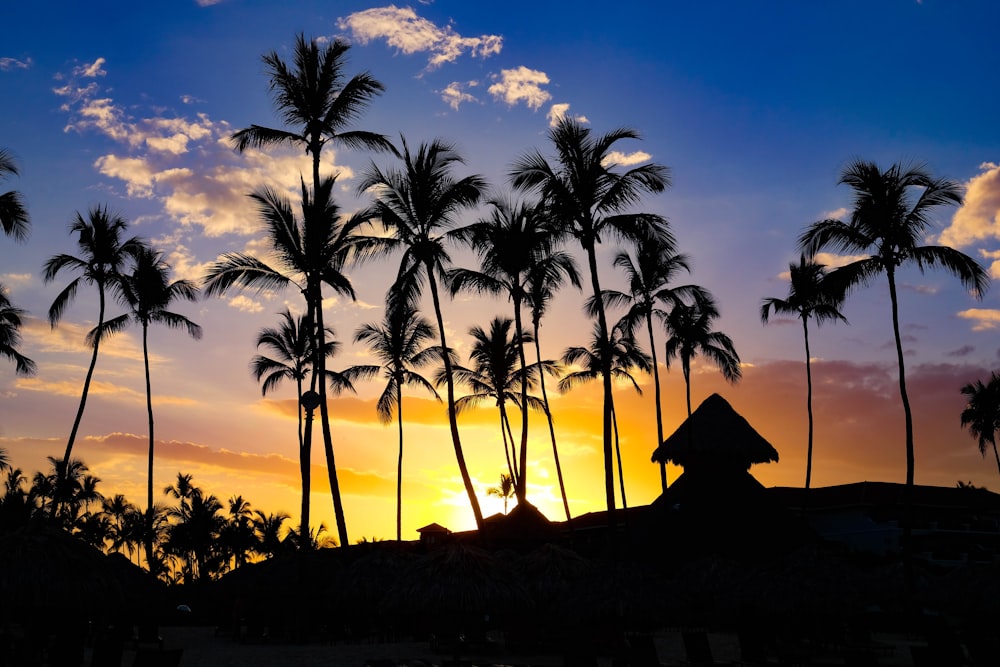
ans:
x=755 y=107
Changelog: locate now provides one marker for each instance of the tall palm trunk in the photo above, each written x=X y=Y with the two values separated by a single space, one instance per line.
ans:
x=399 y=461
x=522 y=479
x=608 y=406
x=508 y=436
x=452 y=413
x=552 y=428
x=908 y=487
x=149 y=464
x=305 y=459
x=618 y=455
x=809 y=403
x=686 y=368
x=86 y=381
x=656 y=391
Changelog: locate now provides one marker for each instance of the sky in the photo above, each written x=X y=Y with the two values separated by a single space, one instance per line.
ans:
x=754 y=107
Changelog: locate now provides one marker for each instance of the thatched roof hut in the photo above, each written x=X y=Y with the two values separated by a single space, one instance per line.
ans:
x=715 y=436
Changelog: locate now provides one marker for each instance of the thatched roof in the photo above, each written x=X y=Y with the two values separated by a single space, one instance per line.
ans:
x=715 y=436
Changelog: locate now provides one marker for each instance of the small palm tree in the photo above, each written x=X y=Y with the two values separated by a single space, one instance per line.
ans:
x=147 y=293
x=416 y=205
x=505 y=489
x=689 y=333
x=14 y=218
x=809 y=296
x=103 y=254
x=268 y=528
x=589 y=199
x=10 y=336
x=399 y=345
x=982 y=413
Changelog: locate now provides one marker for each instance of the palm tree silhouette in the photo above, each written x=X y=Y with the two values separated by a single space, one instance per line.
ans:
x=147 y=292
x=291 y=346
x=590 y=200
x=505 y=489
x=649 y=273
x=809 y=296
x=267 y=528
x=891 y=216
x=625 y=356
x=689 y=333
x=194 y=533
x=14 y=219
x=237 y=533
x=543 y=281
x=103 y=255
x=514 y=239
x=417 y=205
x=311 y=251
x=399 y=345
x=10 y=336
x=982 y=413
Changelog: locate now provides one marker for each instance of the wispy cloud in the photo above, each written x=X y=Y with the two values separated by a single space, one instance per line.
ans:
x=91 y=70
x=617 y=158
x=521 y=85
x=454 y=94
x=8 y=64
x=983 y=319
x=404 y=30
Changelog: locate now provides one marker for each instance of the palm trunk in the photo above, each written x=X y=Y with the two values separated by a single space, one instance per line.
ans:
x=86 y=381
x=686 y=368
x=452 y=413
x=809 y=404
x=602 y=324
x=908 y=488
x=399 y=462
x=656 y=391
x=996 y=455
x=552 y=428
x=305 y=460
x=149 y=463
x=522 y=480
x=504 y=431
x=618 y=454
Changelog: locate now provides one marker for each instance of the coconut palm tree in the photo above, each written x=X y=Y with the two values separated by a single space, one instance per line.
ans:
x=291 y=347
x=982 y=413
x=103 y=254
x=625 y=356
x=14 y=219
x=416 y=205
x=891 y=216
x=809 y=296
x=505 y=489
x=10 y=336
x=313 y=97
x=649 y=272
x=399 y=345
x=689 y=333
x=544 y=280
x=193 y=534
x=147 y=293
x=514 y=239
x=237 y=534
x=267 y=528
x=310 y=252
x=586 y=196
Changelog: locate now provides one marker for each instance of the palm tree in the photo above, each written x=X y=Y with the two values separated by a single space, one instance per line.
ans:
x=891 y=216
x=982 y=413
x=10 y=336
x=291 y=346
x=267 y=528
x=689 y=333
x=505 y=489
x=14 y=218
x=147 y=293
x=543 y=281
x=194 y=533
x=649 y=274
x=310 y=252
x=586 y=197
x=103 y=254
x=416 y=206
x=510 y=242
x=237 y=534
x=809 y=296
x=398 y=344
x=625 y=356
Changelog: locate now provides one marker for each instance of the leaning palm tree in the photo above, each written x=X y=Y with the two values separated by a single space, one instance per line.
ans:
x=14 y=218
x=103 y=253
x=649 y=273
x=416 y=205
x=312 y=97
x=689 y=333
x=982 y=413
x=147 y=293
x=310 y=251
x=891 y=216
x=589 y=199
x=290 y=345
x=399 y=345
x=809 y=296
x=10 y=336
x=625 y=356
x=513 y=240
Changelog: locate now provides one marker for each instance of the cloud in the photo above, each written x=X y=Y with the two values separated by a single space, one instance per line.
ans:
x=978 y=219
x=454 y=93
x=984 y=319
x=521 y=85
x=617 y=158
x=836 y=214
x=963 y=351
x=558 y=111
x=245 y=304
x=402 y=29
x=92 y=70
x=8 y=64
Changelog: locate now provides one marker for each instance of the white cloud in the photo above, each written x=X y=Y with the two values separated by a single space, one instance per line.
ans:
x=833 y=261
x=620 y=159
x=454 y=93
x=93 y=70
x=558 y=111
x=404 y=30
x=8 y=64
x=521 y=85
x=836 y=214
x=983 y=319
x=245 y=304
x=978 y=219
